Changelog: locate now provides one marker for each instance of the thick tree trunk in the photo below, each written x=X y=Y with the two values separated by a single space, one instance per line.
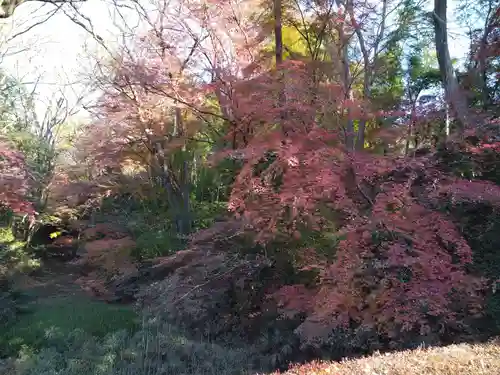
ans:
x=176 y=183
x=338 y=54
x=348 y=95
x=454 y=97
x=368 y=64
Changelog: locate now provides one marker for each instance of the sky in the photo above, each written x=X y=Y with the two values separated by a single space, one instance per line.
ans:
x=56 y=55
x=56 y=52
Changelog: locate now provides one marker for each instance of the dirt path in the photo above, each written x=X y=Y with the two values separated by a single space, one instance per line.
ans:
x=57 y=277
x=54 y=278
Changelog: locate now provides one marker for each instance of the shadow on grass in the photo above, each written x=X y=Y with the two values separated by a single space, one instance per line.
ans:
x=64 y=314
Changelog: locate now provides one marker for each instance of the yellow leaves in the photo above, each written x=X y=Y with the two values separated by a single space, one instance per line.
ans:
x=293 y=42
x=54 y=235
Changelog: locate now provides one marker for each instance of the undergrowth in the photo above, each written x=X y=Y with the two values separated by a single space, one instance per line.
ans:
x=155 y=349
x=151 y=226
x=61 y=315
x=13 y=253
x=160 y=349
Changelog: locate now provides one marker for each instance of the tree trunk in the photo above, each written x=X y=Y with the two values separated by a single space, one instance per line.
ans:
x=339 y=55
x=278 y=41
x=183 y=214
x=360 y=140
x=482 y=57
x=368 y=64
x=453 y=96
x=348 y=96
x=410 y=127
x=278 y=34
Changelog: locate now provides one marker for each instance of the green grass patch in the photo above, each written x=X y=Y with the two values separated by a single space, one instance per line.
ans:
x=63 y=315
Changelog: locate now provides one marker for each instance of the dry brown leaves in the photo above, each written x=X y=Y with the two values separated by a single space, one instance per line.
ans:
x=463 y=359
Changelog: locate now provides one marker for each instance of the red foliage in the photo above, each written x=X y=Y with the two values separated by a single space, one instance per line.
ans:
x=474 y=191
x=107 y=253
x=64 y=241
x=14 y=181
x=399 y=265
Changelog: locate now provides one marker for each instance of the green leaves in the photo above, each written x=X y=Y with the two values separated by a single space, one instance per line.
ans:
x=421 y=73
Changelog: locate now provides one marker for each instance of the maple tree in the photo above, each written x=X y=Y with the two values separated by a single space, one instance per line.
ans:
x=399 y=265
x=14 y=181
x=483 y=54
x=298 y=121
x=392 y=250
x=311 y=112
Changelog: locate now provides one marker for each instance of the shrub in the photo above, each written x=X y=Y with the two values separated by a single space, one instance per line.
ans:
x=480 y=225
x=151 y=224
x=155 y=349
x=14 y=255
x=397 y=266
x=156 y=243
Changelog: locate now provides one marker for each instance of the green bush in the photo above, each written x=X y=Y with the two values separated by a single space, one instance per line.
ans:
x=71 y=353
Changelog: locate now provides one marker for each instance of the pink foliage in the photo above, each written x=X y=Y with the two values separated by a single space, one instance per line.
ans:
x=399 y=264
x=396 y=284
x=474 y=191
x=14 y=181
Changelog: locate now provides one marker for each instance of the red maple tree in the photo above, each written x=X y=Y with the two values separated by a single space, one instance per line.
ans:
x=399 y=264
x=14 y=181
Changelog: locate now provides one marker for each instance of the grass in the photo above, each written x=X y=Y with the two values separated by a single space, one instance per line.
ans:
x=64 y=314
x=463 y=359
x=152 y=350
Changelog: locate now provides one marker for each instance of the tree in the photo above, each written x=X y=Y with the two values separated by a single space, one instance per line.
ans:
x=143 y=117
x=308 y=182
x=383 y=231
x=14 y=181
x=419 y=77
x=451 y=88
x=483 y=60
x=14 y=175
x=387 y=261
x=7 y=8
